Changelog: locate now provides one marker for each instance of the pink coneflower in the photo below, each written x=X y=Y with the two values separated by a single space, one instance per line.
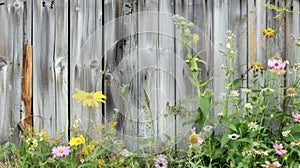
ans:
x=278 y=149
x=276 y=64
x=61 y=151
x=272 y=165
x=161 y=161
x=296 y=116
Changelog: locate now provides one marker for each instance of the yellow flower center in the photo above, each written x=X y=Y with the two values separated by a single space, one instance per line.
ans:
x=276 y=58
x=281 y=72
x=272 y=166
x=291 y=91
x=61 y=151
x=90 y=97
x=194 y=138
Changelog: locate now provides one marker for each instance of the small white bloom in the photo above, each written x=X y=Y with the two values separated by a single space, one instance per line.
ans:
x=233 y=136
x=220 y=114
x=228 y=46
x=248 y=106
x=287 y=62
x=246 y=90
x=295 y=143
x=222 y=95
x=255 y=144
x=267 y=89
x=253 y=125
x=286 y=133
x=235 y=93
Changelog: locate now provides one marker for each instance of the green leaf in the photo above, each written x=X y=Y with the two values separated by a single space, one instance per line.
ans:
x=224 y=140
x=232 y=127
x=206 y=82
x=88 y=164
x=204 y=103
x=236 y=81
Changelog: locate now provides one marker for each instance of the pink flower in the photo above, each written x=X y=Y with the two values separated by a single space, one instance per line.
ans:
x=271 y=165
x=278 y=149
x=61 y=151
x=231 y=164
x=113 y=155
x=276 y=64
x=296 y=116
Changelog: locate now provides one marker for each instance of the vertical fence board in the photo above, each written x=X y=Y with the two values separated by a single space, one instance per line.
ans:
x=11 y=63
x=61 y=66
x=166 y=75
x=147 y=71
x=50 y=41
x=85 y=53
x=237 y=23
x=184 y=90
x=220 y=24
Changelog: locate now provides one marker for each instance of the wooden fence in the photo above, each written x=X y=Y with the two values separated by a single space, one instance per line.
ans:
x=80 y=44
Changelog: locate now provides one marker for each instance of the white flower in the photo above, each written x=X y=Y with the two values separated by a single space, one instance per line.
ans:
x=76 y=123
x=267 y=89
x=255 y=144
x=228 y=46
x=233 y=136
x=295 y=143
x=246 y=90
x=235 y=93
x=253 y=125
x=286 y=133
x=222 y=95
x=220 y=114
x=248 y=106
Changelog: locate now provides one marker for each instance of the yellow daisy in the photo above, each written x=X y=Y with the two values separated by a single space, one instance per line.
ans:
x=89 y=99
x=194 y=138
x=257 y=66
x=75 y=141
x=269 y=32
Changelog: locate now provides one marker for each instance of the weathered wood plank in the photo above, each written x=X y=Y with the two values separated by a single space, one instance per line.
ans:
x=50 y=52
x=166 y=75
x=184 y=89
x=147 y=70
x=27 y=85
x=220 y=24
x=11 y=51
x=85 y=53
x=238 y=24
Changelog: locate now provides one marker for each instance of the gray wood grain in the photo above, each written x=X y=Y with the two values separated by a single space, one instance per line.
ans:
x=11 y=51
x=50 y=79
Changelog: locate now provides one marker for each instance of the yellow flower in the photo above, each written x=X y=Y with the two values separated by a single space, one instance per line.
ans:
x=75 y=141
x=257 y=66
x=194 y=138
x=112 y=123
x=101 y=162
x=195 y=38
x=268 y=32
x=89 y=99
x=45 y=135
x=281 y=72
x=88 y=149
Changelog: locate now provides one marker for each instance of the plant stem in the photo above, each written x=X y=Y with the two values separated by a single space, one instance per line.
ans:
x=89 y=121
